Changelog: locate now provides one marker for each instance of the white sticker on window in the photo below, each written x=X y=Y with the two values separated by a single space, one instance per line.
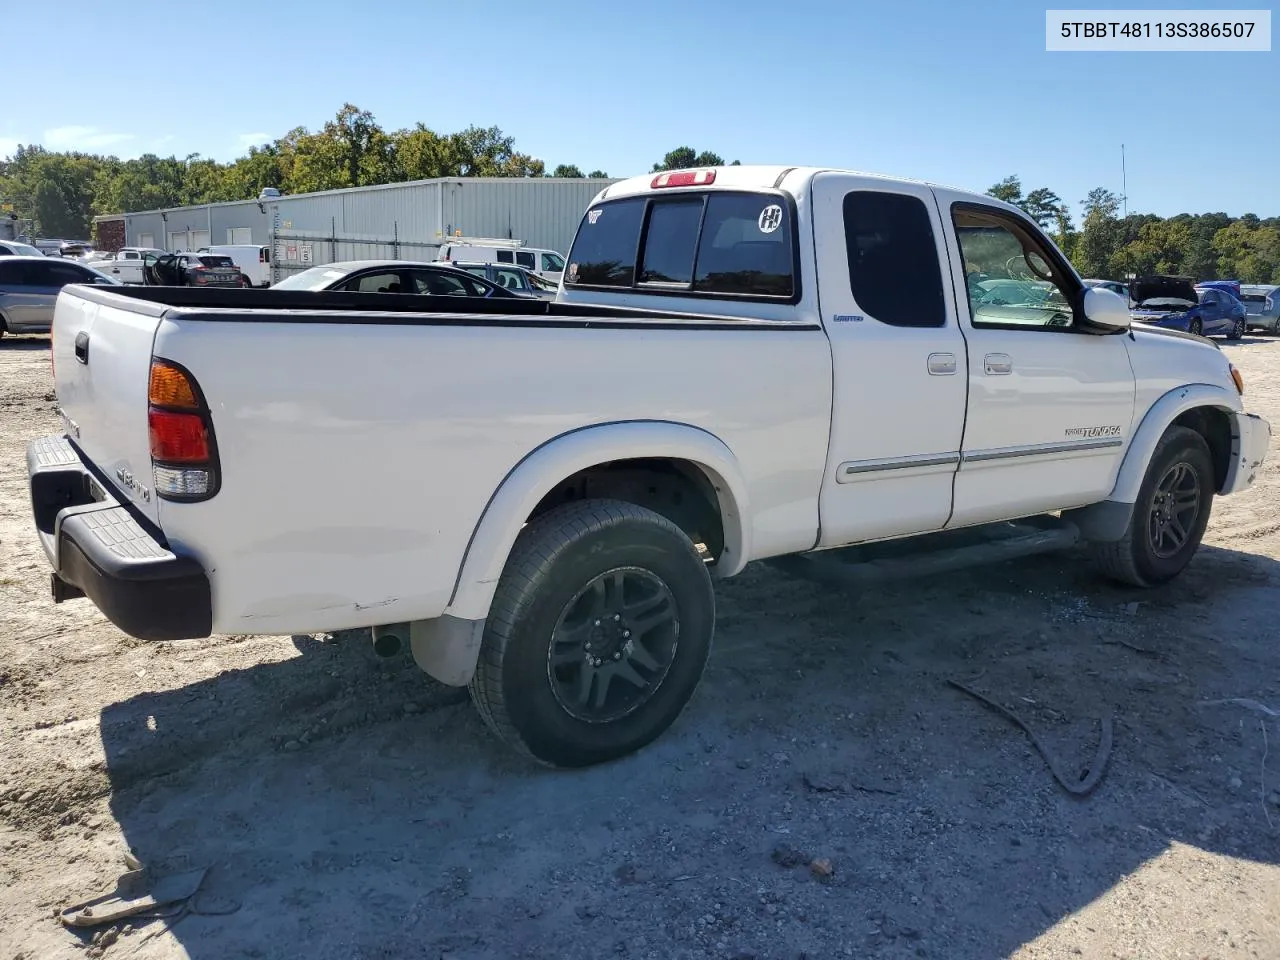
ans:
x=770 y=218
x=593 y=216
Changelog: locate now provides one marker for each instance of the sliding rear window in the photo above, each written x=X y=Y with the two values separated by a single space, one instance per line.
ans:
x=719 y=244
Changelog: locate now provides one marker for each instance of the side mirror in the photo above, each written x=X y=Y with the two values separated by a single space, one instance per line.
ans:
x=1104 y=310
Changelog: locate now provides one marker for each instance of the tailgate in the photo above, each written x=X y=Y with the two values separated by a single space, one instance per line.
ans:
x=102 y=364
x=1255 y=304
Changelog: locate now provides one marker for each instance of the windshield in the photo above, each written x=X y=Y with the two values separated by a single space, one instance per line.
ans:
x=23 y=249
x=316 y=278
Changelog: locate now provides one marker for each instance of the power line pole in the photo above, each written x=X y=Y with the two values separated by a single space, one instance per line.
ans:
x=1124 y=183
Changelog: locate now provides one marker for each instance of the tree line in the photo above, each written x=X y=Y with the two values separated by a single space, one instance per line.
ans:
x=1205 y=246
x=61 y=192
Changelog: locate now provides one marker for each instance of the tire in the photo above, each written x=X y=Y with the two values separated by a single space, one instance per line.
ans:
x=1238 y=330
x=562 y=578
x=1197 y=327
x=1134 y=559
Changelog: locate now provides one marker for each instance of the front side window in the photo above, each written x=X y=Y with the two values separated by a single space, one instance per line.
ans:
x=64 y=273
x=894 y=272
x=719 y=244
x=552 y=263
x=1010 y=278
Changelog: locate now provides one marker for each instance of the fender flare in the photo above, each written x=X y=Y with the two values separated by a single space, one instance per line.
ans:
x=1156 y=421
x=562 y=456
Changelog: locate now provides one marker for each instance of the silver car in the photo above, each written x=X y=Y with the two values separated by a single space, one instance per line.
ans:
x=29 y=288
x=1262 y=306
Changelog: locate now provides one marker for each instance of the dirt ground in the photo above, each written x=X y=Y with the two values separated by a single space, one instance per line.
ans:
x=348 y=807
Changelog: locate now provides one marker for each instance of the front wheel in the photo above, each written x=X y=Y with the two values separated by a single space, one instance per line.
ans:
x=598 y=634
x=1196 y=327
x=1237 y=331
x=1169 y=516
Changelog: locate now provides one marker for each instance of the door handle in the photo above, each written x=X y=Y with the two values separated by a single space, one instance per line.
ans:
x=942 y=364
x=998 y=364
x=82 y=347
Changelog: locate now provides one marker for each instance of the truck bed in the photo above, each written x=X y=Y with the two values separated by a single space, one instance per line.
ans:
x=224 y=304
x=361 y=438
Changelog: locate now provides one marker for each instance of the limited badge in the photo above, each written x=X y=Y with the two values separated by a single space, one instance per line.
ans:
x=770 y=218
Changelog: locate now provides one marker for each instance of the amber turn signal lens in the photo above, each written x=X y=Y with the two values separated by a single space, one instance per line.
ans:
x=1239 y=380
x=170 y=387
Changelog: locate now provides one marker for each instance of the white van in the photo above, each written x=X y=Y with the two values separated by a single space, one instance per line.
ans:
x=254 y=260
x=545 y=263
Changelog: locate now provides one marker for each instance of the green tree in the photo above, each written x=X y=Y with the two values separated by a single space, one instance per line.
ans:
x=1100 y=235
x=567 y=170
x=682 y=158
x=1009 y=190
x=598 y=175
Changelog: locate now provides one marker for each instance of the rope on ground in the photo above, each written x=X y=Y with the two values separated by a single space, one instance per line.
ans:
x=1078 y=787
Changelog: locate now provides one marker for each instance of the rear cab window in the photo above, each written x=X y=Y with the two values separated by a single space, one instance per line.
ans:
x=216 y=261
x=724 y=244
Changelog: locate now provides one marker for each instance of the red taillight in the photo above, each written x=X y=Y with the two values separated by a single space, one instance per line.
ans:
x=684 y=178
x=262 y=256
x=184 y=455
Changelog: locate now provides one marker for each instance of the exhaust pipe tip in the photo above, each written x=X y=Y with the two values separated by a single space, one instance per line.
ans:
x=388 y=640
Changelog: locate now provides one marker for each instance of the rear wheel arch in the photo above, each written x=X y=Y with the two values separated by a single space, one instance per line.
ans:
x=650 y=463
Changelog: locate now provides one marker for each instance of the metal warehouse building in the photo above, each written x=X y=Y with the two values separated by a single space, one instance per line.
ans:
x=393 y=221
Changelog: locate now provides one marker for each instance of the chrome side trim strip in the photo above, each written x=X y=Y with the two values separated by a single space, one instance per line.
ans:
x=1041 y=450
x=854 y=468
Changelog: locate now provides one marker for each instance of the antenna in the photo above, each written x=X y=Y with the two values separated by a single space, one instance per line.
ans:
x=1124 y=183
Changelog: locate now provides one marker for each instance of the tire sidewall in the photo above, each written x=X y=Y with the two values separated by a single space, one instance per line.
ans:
x=1186 y=447
x=548 y=731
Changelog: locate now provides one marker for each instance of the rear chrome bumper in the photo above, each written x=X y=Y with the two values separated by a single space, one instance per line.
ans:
x=100 y=549
x=1252 y=442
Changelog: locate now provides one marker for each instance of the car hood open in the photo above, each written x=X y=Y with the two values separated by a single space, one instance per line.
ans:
x=1162 y=288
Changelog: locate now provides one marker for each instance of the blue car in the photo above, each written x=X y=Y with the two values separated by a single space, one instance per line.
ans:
x=1175 y=304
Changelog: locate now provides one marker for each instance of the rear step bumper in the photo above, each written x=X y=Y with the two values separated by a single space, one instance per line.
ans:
x=98 y=549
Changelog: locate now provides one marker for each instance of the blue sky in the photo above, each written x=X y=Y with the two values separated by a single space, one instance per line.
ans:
x=963 y=94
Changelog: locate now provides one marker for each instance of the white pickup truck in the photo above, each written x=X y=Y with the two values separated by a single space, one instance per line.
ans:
x=742 y=363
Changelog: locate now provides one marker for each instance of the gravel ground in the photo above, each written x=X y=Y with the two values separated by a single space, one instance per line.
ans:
x=826 y=794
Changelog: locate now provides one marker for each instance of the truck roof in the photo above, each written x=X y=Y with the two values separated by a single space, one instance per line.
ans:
x=757 y=177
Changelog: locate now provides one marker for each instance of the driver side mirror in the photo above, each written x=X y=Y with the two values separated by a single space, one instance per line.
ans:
x=1105 y=311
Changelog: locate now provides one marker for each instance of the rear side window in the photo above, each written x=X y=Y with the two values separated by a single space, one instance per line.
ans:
x=526 y=260
x=894 y=272
x=505 y=256
x=12 y=272
x=717 y=244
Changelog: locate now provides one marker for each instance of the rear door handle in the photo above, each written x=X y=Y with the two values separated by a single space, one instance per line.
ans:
x=82 y=347
x=942 y=364
x=998 y=364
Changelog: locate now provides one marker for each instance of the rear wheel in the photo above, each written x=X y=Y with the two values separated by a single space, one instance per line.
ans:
x=1238 y=330
x=598 y=634
x=1196 y=327
x=1169 y=516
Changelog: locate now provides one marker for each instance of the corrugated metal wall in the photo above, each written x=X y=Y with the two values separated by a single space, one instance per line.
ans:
x=541 y=212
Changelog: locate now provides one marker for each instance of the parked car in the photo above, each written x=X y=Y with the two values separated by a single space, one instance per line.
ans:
x=1262 y=306
x=190 y=270
x=126 y=264
x=1115 y=286
x=253 y=259
x=1175 y=304
x=535 y=496
x=545 y=263
x=1230 y=286
x=13 y=248
x=29 y=287
x=516 y=279
x=392 y=276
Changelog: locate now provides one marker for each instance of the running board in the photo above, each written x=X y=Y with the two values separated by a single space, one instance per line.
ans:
x=932 y=553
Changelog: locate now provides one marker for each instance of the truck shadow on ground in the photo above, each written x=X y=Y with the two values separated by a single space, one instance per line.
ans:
x=16 y=343
x=352 y=808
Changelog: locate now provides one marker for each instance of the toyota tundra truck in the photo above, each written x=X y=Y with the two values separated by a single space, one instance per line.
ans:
x=741 y=364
